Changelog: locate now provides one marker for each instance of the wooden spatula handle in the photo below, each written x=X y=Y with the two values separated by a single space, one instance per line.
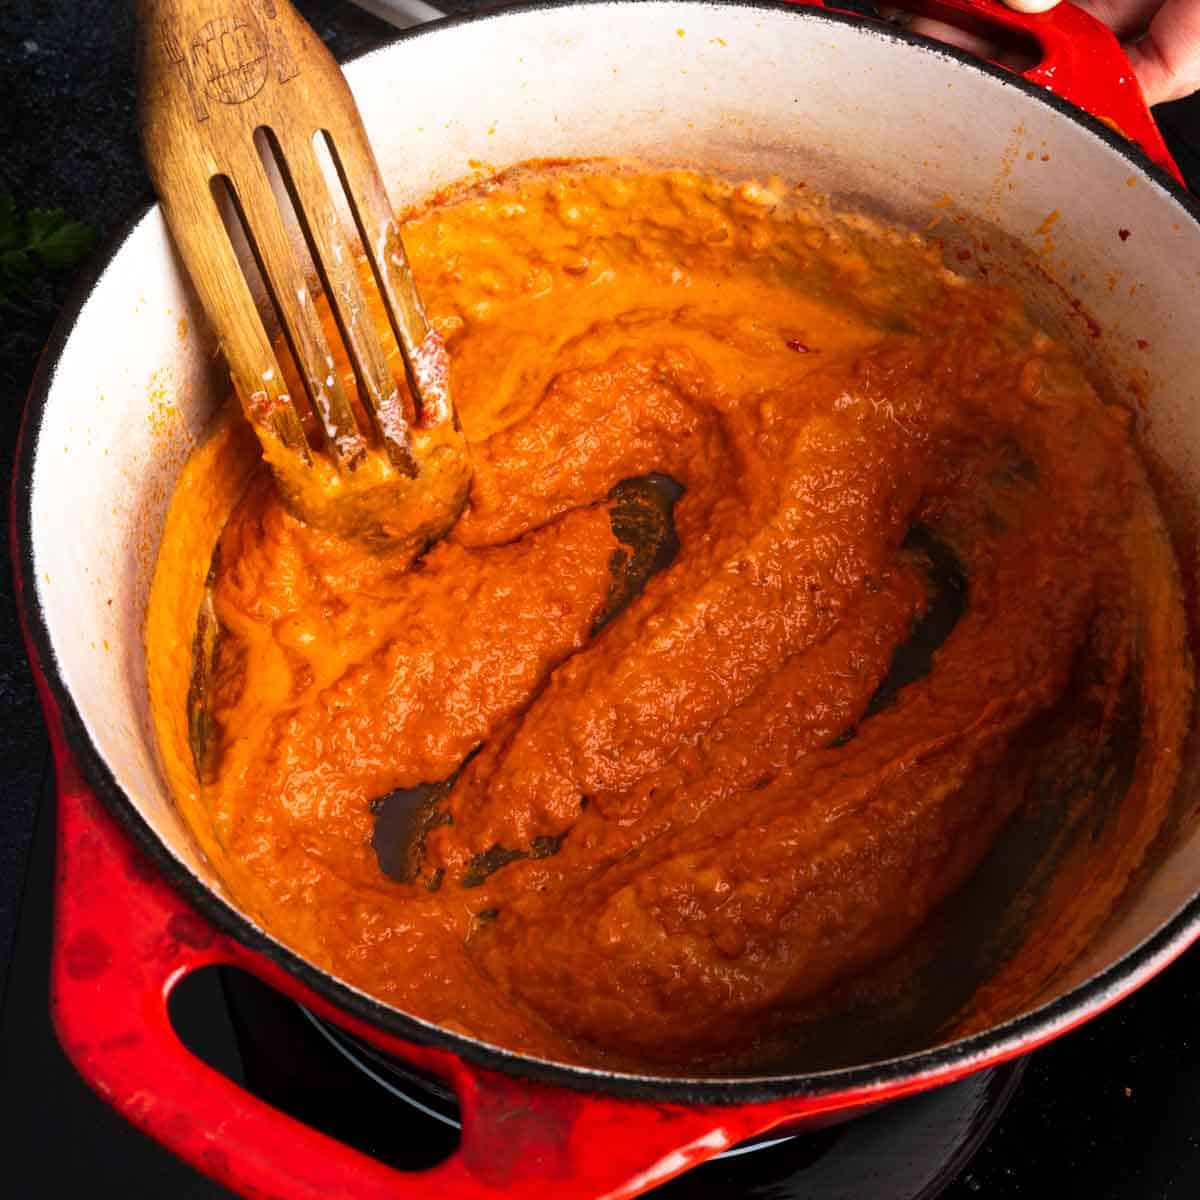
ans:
x=211 y=74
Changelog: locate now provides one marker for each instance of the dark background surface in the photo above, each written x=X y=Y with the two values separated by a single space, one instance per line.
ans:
x=1111 y=1112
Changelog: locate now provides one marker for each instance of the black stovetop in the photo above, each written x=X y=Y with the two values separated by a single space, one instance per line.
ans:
x=1111 y=1112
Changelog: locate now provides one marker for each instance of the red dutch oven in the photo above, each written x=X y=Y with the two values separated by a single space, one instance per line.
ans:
x=1055 y=179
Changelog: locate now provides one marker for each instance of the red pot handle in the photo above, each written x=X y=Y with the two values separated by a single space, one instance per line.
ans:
x=123 y=939
x=1082 y=62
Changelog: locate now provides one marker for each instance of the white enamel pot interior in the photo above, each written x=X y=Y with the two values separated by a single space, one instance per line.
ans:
x=884 y=122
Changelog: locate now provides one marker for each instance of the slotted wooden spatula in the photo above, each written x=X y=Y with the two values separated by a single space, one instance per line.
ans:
x=228 y=90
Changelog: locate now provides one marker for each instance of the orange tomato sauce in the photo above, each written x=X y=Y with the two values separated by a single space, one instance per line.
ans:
x=665 y=836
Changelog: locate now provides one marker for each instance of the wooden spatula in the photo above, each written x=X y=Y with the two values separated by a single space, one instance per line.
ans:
x=230 y=89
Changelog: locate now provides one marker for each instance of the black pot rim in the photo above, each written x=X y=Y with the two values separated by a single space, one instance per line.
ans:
x=1013 y=1037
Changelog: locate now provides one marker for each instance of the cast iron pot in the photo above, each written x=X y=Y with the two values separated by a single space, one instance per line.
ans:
x=1019 y=181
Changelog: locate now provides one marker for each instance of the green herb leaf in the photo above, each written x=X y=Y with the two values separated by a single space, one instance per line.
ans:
x=57 y=240
x=40 y=239
x=17 y=271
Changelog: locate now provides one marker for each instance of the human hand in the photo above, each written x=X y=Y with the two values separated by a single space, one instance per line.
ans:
x=1161 y=38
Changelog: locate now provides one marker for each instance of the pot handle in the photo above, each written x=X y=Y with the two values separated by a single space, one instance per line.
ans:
x=123 y=939
x=1082 y=62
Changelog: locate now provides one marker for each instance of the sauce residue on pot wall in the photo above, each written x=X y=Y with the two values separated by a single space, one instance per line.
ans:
x=910 y=558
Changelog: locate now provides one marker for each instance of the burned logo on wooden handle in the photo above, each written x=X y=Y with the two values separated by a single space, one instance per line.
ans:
x=230 y=58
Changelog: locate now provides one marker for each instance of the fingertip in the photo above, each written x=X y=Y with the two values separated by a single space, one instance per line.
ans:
x=1031 y=6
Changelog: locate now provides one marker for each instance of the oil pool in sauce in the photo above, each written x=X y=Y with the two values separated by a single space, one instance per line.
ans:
x=794 y=566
